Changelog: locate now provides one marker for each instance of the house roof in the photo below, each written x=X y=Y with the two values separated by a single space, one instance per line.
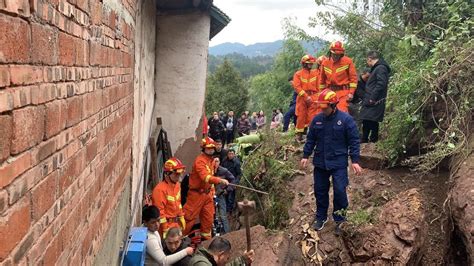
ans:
x=218 y=20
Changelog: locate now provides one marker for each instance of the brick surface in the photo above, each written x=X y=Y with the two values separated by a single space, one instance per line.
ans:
x=44 y=93
x=21 y=95
x=14 y=40
x=6 y=132
x=25 y=74
x=6 y=101
x=28 y=128
x=15 y=167
x=74 y=110
x=44 y=44
x=82 y=52
x=19 y=7
x=66 y=49
x=14 y=226
x=56 y=116
x=3 y=200
x=4 y=76
x=52 y=252
x=43 y=195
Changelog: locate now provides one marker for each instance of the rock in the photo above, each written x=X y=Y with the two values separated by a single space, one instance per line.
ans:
x=370 y=158
x=271 y=248
x=461 y=204
x=398 y=236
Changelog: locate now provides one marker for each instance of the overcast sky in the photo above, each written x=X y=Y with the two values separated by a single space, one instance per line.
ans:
x=255 y=21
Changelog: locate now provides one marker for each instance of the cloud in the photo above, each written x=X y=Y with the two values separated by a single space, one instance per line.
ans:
x=260 y=20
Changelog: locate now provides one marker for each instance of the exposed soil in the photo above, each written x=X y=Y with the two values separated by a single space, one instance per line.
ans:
x=406 y=224
x=375 y=188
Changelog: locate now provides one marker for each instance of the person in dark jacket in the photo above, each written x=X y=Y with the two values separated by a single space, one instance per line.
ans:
x=373 y=100
x=291 y=113
x=355 y=103
x=243 y=125
x=222 y=192
x=220 y=153
x=333 y=137
x=216 y=127
x=232 y=163
x=174 y=242
x=230 y=123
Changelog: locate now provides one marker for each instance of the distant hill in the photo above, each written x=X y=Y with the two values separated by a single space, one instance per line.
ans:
x=260 y=49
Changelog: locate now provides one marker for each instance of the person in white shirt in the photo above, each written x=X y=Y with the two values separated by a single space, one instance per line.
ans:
x=154 y=247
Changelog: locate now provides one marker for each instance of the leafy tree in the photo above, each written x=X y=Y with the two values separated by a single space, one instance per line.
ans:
x=226 y=90
x=271 y=90
x=429 y=46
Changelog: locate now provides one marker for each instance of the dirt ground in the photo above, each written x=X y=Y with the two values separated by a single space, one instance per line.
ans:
x=386 y=184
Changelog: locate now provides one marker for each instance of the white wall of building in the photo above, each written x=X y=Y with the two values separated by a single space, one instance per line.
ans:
x=182 y=43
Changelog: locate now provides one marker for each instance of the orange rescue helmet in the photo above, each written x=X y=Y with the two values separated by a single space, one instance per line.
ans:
x=207 y=142
x=337 y=48
x=174 y=165
x=327 y=97
x=308 y=59
x=320 y=59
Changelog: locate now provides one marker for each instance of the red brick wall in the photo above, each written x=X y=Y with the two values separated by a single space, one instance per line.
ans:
x=66 y=97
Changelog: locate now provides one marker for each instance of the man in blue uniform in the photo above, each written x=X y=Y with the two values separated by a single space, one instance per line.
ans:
x=333 y=137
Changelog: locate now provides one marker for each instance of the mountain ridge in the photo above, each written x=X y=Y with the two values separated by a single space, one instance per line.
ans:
x=261 y=48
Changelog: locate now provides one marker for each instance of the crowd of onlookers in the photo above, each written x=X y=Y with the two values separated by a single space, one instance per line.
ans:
x=227 y=127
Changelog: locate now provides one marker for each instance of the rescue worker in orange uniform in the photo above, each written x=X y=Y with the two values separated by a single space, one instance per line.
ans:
x=200 y=202
x=166 y=196
x=338 y=73
x=305 y=83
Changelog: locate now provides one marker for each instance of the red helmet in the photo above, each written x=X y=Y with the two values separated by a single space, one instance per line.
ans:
x=337 y=48
x=308 y=59
x=327 y=97
x=207 y=142
x=320 y=59
x=174 y=165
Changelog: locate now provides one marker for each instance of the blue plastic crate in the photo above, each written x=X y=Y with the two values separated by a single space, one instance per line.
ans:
x=136 y=249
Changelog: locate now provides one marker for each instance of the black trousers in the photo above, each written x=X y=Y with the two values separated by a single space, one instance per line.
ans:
x=370 y=131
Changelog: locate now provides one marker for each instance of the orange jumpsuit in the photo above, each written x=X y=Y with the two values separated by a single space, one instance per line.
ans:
x=340 y=77
x=200 y=202
x=166 y=196
x=305 y=83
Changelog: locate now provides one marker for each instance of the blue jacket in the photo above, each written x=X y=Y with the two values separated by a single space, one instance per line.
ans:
x=335 y=137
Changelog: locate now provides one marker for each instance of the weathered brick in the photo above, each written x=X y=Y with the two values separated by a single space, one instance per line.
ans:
x=24 y=74
x=14 y=226
x=66 y=49
x=74 y=110
x=4 y=76
x=52 y=252
x=24 y=246
x=44 y=93
x=44 y=195
x=3 y=200
x=21 y=95
x=6 y=101
x=70 y=172
x=28 y=128
x=14 y=40
x=91 y=150
x=20 y=7
x=15 y=167
x=56 y=116
x=6 y=132
x=82 y=52
x=96 y=12
x=44 y=44
x=45 y=149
